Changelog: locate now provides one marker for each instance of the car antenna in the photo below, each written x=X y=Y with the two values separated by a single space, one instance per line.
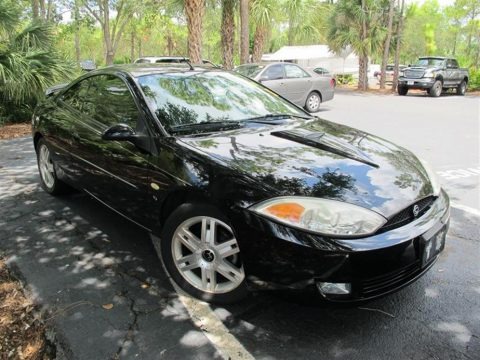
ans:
x=185 y=60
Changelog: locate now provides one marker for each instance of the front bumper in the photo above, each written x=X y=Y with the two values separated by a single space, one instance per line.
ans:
x=277 y=256
x=423 y=83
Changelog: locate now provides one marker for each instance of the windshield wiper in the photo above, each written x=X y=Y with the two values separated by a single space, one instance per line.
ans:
x=270 y=117
x=206 y=126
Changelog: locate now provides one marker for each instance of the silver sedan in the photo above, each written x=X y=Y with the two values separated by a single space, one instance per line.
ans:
x=301 y=87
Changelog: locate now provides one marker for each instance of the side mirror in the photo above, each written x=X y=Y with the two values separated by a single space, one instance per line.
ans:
x=119 y=132
x=263 y=78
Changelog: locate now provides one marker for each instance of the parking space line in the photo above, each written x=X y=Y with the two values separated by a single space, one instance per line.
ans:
x=213 y=328
x=205 y=319
x=468 y=209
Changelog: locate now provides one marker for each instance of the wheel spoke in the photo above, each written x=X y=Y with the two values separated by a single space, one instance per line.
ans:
x=49 y=166
x=188 y=262
x=229 y=271
x=208 y=231
x=191 y=242
x=228 y=248
x=209 y=279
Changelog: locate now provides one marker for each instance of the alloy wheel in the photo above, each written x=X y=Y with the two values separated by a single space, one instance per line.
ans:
x=206 y=254
x=45 y=165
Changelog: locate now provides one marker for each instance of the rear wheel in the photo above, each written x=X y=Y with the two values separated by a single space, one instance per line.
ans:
x=462 y=88
x=201 y=253
x=48 y=176
x=402 y=90
x=313 y=102
x=436 y=89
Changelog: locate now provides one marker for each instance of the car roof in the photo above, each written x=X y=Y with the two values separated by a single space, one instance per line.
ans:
x=137 y=70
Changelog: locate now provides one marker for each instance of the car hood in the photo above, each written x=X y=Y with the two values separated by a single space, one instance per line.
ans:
x=321 y=159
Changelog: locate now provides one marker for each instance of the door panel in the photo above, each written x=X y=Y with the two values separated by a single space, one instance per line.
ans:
x=298 y=83
x=273 y=78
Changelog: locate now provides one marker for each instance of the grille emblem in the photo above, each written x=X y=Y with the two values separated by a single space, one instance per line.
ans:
x=416 y=210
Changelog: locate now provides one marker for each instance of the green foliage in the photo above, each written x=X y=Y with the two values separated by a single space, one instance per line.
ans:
x=344 y=79
x=474 y=83
x=29 y=63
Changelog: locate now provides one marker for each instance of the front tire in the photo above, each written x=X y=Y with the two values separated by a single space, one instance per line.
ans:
x=201 y=254
x=462 y=88
x=48 y=176
x=312 y=104
x=436 y=89
x=402 y=90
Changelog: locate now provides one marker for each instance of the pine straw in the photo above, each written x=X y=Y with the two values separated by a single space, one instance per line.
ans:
x=15 y=130
x=22 y=334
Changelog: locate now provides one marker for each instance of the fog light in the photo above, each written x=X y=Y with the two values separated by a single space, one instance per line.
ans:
x=334 y=288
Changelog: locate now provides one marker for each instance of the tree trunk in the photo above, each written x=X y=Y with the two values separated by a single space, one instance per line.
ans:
x=244 y=32
x=140 y=49
x=362 y=72
x=170 y=44
x=42 y=9
x=363 y=58
x=35 y=9
x=194 y=10
x=228 y=33
x=398 y=47
x=132 y=46
x=49 y=15
x=386 y=47
x=290 y=34
x=76 y=17
x=258 y=43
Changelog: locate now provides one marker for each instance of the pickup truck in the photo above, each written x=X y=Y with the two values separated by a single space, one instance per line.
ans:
x=433 y=74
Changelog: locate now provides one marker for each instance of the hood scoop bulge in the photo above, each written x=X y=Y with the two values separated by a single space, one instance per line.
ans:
x=325 y=142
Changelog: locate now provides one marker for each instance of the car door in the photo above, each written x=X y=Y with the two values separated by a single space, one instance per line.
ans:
x=126 y=166
x=298 y=84
x=273 y=77
x=73 y=112
x=450 y=73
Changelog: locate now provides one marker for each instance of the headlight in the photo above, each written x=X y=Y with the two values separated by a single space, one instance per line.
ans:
x=323 y=216
x=432 y=176
x=429 y=74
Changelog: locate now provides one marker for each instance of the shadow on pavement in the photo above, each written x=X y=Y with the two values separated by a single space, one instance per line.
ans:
x=76 y=256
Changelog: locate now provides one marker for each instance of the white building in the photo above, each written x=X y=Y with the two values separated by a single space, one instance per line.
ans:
x=312 y=56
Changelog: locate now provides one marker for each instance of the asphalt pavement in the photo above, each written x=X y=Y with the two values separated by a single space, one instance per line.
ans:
x=106 y=295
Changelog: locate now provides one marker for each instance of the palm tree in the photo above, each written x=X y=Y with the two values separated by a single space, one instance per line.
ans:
x=262 y=15
x=357 y=23
x=28 y=63
x=244 y=32
x=386 y=47
x=228 y=32
x=194 y=10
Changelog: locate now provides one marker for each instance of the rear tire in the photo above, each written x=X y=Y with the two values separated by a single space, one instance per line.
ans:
x=48 y=175
x=402 y=90
x=312 y=104
x=201 y=254
x=436 y=89
x=462 y=88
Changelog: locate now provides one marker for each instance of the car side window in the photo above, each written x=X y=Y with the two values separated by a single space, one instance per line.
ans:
x=273 y=72
x=114 y=104
x=76 y=96
x=294 y=72
x=453 y=64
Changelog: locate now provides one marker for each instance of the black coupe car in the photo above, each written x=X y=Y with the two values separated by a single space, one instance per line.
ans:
x=238 y=186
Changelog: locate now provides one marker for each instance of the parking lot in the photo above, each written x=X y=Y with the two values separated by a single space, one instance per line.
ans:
x=108 y=297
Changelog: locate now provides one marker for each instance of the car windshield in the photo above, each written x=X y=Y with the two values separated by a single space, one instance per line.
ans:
x=188 y=98
x=429 y=62
x=249 y=70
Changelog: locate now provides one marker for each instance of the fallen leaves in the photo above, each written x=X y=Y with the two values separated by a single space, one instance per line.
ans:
x=15 y=130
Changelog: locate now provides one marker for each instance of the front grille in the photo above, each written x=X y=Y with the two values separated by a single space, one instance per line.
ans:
x=406 y=215
x=414 y=74
x=382 y=283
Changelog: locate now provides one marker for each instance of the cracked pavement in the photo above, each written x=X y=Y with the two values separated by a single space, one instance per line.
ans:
x=75 y=256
